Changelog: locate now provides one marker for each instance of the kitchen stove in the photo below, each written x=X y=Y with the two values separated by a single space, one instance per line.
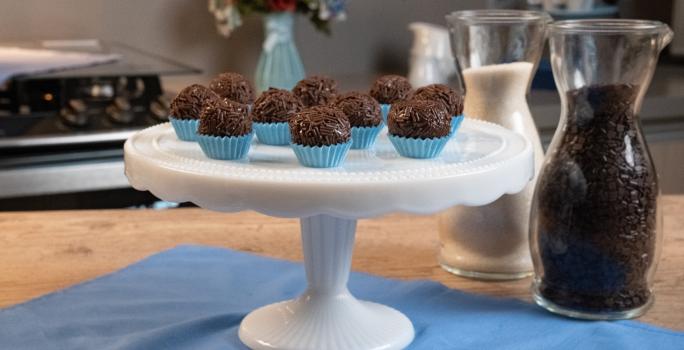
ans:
x=63 y=132
x=85 y=105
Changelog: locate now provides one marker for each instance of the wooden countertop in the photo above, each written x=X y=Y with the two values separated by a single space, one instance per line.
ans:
x=41 y=252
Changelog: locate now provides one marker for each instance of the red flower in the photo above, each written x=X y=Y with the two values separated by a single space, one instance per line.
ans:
x=282 y=5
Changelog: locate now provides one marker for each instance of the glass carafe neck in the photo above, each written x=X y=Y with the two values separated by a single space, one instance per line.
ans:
x=488 y=37
x=605 y=56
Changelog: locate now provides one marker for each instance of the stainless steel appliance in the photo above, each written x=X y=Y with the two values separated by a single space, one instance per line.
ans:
x=61 y=133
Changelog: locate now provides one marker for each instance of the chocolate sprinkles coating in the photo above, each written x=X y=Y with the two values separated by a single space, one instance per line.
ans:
x=275 y=106
x=597 y=198
x=389 y=89
x=421 y=119
x=361 y=109
x=225 y=118
x=320 y=126
x=190 y=101
x=234 y=87
x=444 y=94
x=316 y=90
x=397 y=106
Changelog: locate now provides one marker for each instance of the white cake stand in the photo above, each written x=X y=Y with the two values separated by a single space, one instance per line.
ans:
x=481 y=163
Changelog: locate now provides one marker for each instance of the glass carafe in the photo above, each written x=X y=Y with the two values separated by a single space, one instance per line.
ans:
x=595 y=223
x=497 y=52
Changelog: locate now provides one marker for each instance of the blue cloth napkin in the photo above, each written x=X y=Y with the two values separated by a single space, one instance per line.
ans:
x=194 y=297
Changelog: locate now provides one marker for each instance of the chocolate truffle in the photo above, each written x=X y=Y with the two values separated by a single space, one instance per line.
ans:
x=419 y=119
x=190 y=102
x=320 y=126
x=275 y=106
x=360 y=109
x=399 y=105
x=451 y=99
x=234 y=87
x=315 y=90
x=225 y=118
x=390 y=89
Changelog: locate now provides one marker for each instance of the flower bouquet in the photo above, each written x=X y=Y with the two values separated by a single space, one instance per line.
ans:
x=279 y=65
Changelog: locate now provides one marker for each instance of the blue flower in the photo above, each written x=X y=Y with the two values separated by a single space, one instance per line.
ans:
x=332 y=9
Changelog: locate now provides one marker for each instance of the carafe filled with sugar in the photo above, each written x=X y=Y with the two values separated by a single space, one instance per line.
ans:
x=497 y=52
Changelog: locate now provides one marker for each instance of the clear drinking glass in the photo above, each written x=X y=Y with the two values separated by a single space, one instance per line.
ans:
x=497 y=52
x=595 y=223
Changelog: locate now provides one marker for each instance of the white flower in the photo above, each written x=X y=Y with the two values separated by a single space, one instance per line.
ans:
x=227 y=16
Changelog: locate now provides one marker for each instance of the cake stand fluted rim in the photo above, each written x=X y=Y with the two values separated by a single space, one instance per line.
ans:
x=231 y=187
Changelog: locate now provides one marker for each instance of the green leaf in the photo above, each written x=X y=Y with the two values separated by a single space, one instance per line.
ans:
x=322 y=25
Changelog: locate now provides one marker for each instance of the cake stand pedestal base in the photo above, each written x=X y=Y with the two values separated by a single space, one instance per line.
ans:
x=483 y=162
x=326 y=316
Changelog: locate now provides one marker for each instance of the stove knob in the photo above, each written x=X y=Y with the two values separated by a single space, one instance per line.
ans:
x=120 y=111
x=74 y=114
x=160 y=108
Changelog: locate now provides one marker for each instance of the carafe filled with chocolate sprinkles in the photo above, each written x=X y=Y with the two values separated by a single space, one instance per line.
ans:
x=595 y=222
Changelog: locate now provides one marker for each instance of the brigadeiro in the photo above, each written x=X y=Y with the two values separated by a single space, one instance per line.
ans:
x=316 y=90
x=363 y=112
x=225 y=130
x=389 y=89
x=321 y=136
x=419 y=128
x=186 y=108
x=451 y=99
x=271 y=113
x=234 y=87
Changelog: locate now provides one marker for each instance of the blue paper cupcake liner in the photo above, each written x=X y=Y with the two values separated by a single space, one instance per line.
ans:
x=225 y=147
x=419 y=148
x=186 y=129
x=384 y=109
x=275 y=134
x=456 y=123
x=321 y=156
x=363 y=137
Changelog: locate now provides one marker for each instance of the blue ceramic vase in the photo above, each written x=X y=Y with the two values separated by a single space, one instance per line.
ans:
x=279 y=64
